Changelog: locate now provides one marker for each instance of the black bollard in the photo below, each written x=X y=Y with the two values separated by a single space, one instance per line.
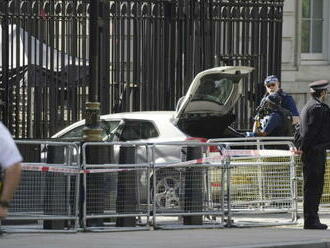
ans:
x=193 y=193
x=96 y=186
x=126 y=189
x=54 y=203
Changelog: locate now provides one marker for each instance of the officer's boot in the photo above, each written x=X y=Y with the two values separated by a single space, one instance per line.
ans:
x=313 y=222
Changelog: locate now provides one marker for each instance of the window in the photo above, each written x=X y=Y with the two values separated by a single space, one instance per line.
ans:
x=214 y=88
x=314 y=29
x=135 y=130
x=77 y=133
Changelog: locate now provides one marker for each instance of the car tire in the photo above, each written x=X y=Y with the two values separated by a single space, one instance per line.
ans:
x=168 y=189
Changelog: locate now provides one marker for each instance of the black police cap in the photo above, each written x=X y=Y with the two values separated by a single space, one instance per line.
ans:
x=319 y=85
x=274 y=99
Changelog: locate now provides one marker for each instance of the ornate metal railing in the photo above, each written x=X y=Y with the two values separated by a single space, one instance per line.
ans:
x=151 y=51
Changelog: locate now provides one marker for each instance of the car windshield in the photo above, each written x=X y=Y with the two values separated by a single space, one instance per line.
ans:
x=77 y=133
x=215 y=88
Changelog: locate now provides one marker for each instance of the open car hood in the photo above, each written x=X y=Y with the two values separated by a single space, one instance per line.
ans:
x=213 y=92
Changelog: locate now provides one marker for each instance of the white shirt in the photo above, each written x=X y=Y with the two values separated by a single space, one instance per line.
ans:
x=9 y=154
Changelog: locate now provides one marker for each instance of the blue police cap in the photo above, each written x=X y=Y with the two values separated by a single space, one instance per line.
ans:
x=319 y=85
x=271 y=79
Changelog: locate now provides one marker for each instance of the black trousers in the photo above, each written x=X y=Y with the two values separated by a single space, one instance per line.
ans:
x=313 y=168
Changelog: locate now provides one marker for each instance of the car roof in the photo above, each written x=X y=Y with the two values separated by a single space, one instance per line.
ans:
x=146 y=115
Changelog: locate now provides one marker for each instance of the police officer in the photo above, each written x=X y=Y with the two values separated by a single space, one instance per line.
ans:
x=314 y=130
x=274 y=121
x=272 y=86
x=10 y=159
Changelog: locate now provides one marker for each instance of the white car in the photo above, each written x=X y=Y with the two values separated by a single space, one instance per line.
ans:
x=204 y=112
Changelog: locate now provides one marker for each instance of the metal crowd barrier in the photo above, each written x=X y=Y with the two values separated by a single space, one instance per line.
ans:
x=325 y=199
x=47 y=197
x=134 y=186
x=117 y=191
x=146 y=187
x=183 y=196
x=261 y=182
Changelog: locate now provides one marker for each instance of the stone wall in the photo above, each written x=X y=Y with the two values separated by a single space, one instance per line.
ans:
x=297 y=74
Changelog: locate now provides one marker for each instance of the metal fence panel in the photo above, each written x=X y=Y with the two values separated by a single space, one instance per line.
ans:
x=218 y=184
x=47 y=197
x=261 y=181
x=184 y=197
x=325 y=199
x=116 y=194
x=188 y=191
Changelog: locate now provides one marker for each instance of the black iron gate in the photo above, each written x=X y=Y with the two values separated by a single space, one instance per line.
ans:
x=152 y=49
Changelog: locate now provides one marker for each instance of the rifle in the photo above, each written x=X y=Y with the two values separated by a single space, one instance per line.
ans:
x=261 y=111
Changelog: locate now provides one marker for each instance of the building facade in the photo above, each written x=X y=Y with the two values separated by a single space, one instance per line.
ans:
x=305 y=46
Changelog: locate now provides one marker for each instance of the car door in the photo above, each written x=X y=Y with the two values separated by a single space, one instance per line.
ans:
x=205 y=110
x=134 y=130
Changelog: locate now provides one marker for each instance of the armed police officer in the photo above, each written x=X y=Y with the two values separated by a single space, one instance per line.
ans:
x=271 y=118
x=315 y=133
x=272 y=86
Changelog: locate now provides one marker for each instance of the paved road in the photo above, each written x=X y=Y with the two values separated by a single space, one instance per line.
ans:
x=280 y=236
x=245 y=237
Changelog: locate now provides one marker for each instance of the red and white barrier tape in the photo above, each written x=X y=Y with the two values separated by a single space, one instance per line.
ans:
x=219 y=158
x=214 y=158
x=89 y=171
x=45 y=168
x=61 y=169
